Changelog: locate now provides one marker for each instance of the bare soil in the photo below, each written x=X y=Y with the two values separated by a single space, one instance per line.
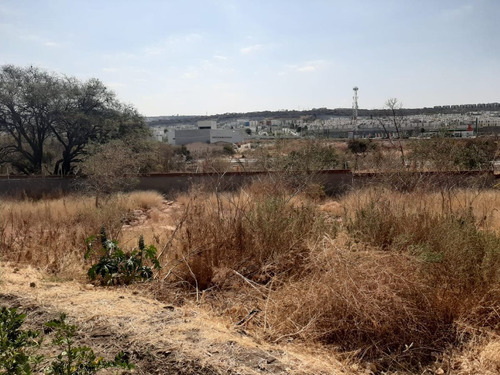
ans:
x=160 y=338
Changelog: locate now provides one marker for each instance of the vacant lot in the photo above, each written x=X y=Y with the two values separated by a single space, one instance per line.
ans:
x=377 y=280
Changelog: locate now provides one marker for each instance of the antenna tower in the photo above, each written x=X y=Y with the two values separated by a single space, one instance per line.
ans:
x=355 y=108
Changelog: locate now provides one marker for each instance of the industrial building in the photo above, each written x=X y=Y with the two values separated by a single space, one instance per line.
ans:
x=207 y=132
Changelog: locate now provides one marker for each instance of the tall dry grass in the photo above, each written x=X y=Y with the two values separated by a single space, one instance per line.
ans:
x=258 y=234
x=399 y=278
x=387 y=276
x=370 y=303
x=414 y=270
x=51 y=234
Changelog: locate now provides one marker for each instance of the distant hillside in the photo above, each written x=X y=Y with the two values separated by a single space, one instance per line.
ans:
x=317 y=113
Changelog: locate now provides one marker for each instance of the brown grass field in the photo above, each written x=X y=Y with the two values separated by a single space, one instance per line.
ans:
x=375 y=280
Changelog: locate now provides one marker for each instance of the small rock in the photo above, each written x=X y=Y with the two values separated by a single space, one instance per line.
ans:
x=169 y=307
x=32 y=285
x=89 y=286
x=439 y=371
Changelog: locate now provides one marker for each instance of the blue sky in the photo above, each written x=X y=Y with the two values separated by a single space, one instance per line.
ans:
x=216 y=56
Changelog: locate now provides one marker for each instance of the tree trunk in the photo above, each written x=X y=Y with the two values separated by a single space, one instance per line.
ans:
x=66 y=164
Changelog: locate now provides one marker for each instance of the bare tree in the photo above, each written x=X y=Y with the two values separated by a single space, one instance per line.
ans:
x=110 y=168
x=394 y=118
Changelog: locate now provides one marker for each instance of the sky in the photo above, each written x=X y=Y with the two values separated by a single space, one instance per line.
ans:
x=198 y=57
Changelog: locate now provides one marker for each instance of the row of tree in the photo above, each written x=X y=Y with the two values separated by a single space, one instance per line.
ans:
x=38 y=107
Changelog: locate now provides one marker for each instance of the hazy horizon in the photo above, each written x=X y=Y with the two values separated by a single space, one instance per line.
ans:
x=200 y=57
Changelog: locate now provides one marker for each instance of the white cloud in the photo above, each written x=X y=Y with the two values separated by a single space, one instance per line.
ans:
x=306 y=67
x=7 y=12
x=119 y=57
x=152 y=51
x=116 y=85
x=40 y=40
x=251 y=49
x=220 y=57
x=51 y=44
x=172 y=42
x=190 y=75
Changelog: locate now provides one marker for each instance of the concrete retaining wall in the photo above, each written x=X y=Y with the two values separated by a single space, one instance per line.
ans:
x=334 y=181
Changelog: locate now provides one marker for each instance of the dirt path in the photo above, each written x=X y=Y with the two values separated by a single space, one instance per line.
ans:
x=161 y=339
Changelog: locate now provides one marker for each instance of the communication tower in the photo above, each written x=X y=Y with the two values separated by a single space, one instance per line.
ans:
x=355 y=108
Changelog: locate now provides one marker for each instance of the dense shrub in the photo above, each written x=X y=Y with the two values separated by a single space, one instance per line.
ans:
x=17 y=346
x=455 y=253
x=408 y=279
x=371 y=303
x=452 y=154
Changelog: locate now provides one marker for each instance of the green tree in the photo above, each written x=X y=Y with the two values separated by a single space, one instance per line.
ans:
x=360 y=147
x=475 y=153
x=36 y=106
x=91 y=113
x=30 y=101
x=82 y=119
x=442 y=153
x=228 y=150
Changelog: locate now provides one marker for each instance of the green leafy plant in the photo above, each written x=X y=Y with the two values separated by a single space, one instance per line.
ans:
x=17 y=346
x=18 y=349
x=78 y=360
x=117 y=267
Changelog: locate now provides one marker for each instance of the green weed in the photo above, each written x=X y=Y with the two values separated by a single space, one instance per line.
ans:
x=117 y=267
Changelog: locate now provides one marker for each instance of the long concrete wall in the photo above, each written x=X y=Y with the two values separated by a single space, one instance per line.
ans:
x=334 y=181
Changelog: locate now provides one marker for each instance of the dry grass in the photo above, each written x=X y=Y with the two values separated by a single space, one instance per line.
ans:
x=408 y=281
x=254 y=233
x=484 y=204
x=407 y=271
x=368 y=302
x=51 y=234
x=160 y=338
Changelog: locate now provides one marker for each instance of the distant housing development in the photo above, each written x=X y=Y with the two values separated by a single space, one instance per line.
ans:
x=463 y=121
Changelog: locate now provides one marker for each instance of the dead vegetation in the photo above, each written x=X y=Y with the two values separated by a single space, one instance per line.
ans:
x=401 y=281
x=50 y=233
